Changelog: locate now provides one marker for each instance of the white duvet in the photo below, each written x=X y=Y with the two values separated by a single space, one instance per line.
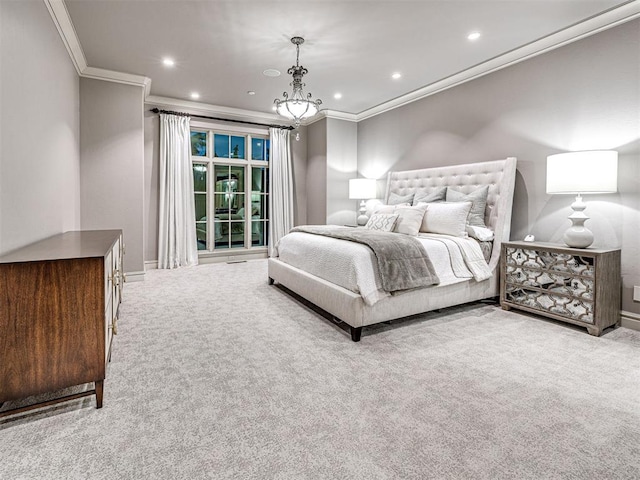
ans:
x=353 y=266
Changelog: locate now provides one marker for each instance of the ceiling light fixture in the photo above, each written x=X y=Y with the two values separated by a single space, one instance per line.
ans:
x=168 y=62
x=297 y=107
x=396 y=76
x=195 y=95
x=473 y=36
x=337 y=96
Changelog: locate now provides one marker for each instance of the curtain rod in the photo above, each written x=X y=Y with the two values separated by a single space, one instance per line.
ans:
x=156 y=110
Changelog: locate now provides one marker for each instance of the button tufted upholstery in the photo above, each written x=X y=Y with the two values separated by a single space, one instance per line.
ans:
x=498 y=174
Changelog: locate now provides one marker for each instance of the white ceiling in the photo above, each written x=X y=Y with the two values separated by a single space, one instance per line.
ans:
x=221 y=47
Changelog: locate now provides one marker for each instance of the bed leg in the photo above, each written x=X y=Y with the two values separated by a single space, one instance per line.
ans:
x=270 y=281
x=356 y=332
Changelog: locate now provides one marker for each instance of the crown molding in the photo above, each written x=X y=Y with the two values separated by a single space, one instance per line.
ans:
x=205 y=108
x=603 y=21
x=62 y=20
x=609 y=19
x=118 y=77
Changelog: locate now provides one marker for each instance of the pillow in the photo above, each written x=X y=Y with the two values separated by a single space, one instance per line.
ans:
x=409 y=219
x=383 y=222
x=395 y=199
x=435 y=196
x=480 y=233
x=382 y=208
x=446 y=218
x=477 y=197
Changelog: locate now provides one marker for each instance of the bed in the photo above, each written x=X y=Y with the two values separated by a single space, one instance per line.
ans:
x=295 y=264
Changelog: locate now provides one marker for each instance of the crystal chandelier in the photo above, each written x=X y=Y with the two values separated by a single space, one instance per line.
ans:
x=297 y=106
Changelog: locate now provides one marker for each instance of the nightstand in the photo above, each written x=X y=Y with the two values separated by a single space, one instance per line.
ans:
x=581 y=286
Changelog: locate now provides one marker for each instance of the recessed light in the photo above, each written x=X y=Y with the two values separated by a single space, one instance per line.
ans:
x=195 y=95
x=396 y=76
x=168 y=62
x=251 y=92
x=274 y=108
x=473 y=36
x=337 y=96
x=271 y=72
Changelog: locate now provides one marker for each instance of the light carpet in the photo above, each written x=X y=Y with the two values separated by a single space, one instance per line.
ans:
x=215 y=374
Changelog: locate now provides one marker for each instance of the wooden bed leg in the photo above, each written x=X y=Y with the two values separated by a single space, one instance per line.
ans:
x=356 y=332
x=99 y=386
x=270 y=281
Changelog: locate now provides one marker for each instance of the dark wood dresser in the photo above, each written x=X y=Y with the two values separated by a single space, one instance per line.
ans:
x=59 y=301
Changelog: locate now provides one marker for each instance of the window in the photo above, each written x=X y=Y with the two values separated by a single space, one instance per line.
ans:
x=231 y=188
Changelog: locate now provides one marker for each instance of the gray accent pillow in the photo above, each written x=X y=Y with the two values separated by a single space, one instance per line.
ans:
x=435 y=196
x=478 y=198
x=382 y=221
x=395 y=199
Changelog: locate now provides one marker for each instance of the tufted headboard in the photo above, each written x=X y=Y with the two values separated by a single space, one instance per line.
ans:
x=500 y=175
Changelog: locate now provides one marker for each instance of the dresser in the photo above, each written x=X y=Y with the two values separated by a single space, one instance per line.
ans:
x=59 y=306
x=581 y=286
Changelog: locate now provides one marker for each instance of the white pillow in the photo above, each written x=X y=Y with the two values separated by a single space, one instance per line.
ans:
x=409 y=219
x=480 y=233
x=382 y=208
x=446 y=218
x=383 y=222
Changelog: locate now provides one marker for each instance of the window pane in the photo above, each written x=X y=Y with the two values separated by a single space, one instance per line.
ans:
x=267 y=148
x=201 y=207
x=257 y=148
x=221 y=232
x=199 y=178
x=221 y=145
x=237 y=147
x=259 y=179
x=199 y=144
x=259 y=233
x=201 y=234
x=237 y=174
x=222 y=178
x=237 y=234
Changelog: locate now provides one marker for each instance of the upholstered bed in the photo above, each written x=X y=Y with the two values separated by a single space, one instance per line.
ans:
x=346 y=303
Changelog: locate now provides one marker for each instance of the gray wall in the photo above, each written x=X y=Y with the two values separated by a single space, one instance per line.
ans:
x=583 y=96
x=342 y=165
x=112 y=166
x=39 y=128
x=317 y=173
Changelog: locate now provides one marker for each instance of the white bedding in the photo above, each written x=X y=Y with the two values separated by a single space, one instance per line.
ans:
x=352 y=265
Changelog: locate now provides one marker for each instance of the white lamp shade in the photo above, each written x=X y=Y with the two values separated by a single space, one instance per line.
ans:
x=593 y=171
x=362 y=188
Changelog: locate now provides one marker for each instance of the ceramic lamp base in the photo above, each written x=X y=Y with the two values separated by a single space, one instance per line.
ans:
x=362 y=217
x=578 y=236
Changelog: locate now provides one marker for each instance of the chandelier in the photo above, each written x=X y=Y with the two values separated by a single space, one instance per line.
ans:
x=297 y=106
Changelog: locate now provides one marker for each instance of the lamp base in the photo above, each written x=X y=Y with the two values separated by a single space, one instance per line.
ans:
x=362 y=218
x=577 y=235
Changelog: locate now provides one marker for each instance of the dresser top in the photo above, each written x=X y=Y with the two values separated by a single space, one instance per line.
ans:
x=78 y=244
x=558 y=247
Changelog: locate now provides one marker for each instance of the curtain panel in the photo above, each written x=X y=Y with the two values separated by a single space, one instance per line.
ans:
x=177 y=244
x=281 y=187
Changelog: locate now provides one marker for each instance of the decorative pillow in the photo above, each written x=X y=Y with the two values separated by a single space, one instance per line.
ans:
x=438 y=195
x=395 y=199
x=383 y=222
x=446 y=218
x=479 y=200
x=381 y=208
x=409 y=219
x=480 y=233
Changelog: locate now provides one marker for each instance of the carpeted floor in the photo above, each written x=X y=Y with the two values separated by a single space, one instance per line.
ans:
x=215 y=374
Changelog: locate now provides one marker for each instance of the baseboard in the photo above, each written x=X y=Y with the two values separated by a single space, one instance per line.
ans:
x=203 y=260
x=630 y=320
x=135 y=277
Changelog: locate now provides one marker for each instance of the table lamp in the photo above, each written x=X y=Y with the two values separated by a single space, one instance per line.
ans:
x=580 y=173
x=362 y=189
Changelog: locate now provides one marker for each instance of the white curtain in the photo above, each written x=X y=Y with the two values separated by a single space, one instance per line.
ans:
x=281 y=187
x=177 y=245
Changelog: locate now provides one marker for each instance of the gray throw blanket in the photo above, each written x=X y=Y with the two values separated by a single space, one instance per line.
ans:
x=403 y=262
